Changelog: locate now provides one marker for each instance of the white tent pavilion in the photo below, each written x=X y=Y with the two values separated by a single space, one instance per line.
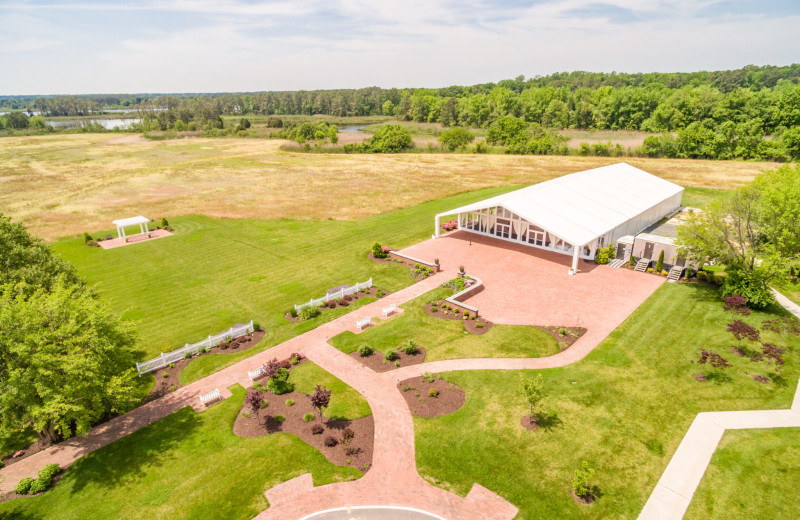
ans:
x=575 y=214
x=131 y=221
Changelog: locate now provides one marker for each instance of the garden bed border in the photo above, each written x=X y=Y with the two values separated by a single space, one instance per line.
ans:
x=394 y=254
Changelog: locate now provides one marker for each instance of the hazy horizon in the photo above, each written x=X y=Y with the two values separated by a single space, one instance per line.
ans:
x=178 y=46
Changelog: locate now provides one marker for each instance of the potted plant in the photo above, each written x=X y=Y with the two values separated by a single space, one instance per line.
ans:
x=461 y=270
x=436 y=261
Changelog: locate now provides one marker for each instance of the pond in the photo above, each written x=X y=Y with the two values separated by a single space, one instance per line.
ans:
x=108 y=124
x=351 y=129
x=372 y=513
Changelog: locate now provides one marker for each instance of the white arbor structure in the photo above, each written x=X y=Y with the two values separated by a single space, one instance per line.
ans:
x=575 y=214
x=131 y=221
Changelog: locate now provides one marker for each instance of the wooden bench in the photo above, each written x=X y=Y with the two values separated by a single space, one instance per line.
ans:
x=210 y=397
x=389 y=310
x=366 y=322
x=255 y=374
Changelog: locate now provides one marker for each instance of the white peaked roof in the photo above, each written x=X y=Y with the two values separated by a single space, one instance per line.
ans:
x=131 y=221
x=583 y=206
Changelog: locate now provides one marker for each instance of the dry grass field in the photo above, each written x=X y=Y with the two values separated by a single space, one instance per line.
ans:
x=61 y=185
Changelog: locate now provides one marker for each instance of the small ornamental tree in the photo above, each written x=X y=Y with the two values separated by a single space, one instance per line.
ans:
x=378 y=251
x=271 y=368
x=321 y=398
x=742 y=330
x=769 y=353
x=660 y=261
x=532 y=389
x=254 y=400
x=580 y=482
x=736 y=305
x=785 y=326
x=713 y=358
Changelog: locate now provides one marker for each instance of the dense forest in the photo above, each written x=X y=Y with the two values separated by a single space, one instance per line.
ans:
x=753 y=112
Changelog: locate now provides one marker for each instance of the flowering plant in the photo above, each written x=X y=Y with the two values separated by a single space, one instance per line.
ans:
x=450 y=225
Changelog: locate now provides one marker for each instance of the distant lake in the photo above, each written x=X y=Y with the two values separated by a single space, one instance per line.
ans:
x=108 y=124
x=351 y=129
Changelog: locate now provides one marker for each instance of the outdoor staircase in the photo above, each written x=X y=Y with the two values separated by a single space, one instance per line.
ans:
x=675 y=273
x=642 y=264
x=616 y=264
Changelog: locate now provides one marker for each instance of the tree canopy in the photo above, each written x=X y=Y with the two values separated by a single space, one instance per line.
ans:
x=65 y=359
x=754 y=231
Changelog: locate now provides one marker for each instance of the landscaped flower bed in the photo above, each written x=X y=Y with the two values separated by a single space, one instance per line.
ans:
x=416 y=270
x=565 y=336
x=431 y=396
x=343 y=442
x=168 y=378
x=408 y=353
x=307 y=313
x=445 y=310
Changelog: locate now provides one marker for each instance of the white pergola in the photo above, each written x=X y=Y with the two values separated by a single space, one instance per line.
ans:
x=131 y=221
x=575 y=214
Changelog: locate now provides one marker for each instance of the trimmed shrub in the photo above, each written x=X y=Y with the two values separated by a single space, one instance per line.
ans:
x=433 y=392
x=380 y=293
x=317 y=429
x=86 y=237
x=365 y=350
x=39 y=485
x=660 y=261
x=279 y=418
x=290 y=402
x=257 y=326
x=308 y=417
x=278 y=384
x=378 y=251
x=702 y=275
x=331 y=441
x=309 y=312
x=409 y=347
x=390 y=354
x=632 y=261
x=293 y=312
x=23 y=487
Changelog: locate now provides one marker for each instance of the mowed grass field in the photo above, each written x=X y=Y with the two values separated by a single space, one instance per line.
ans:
x=62 y=185
x=753 y=474
x=624 y=409
x=184 y=466
x=213 y=273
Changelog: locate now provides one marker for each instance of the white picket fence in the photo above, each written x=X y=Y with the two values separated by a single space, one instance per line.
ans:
x=335 y=295
x=176 y=355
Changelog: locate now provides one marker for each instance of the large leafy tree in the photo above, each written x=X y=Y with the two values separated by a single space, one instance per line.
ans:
x=65 y=360
x=754 y=231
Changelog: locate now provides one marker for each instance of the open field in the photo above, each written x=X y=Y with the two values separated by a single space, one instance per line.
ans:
x=186 y=465
x=753 y=474
x=624 y=408
x=628 y=139
x=62 y=185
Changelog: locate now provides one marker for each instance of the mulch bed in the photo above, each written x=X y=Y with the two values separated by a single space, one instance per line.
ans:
x=700 y=377
x=416 y=393
x=760 y=378
x=10 y=495
x=588 y=499
x=529 y=423
x=570 y=334
x=32 y=449
x=377 y=361
x=344 y=302
x=165 y=385
x=399 y=261
x=357 y=454
x=470 y=325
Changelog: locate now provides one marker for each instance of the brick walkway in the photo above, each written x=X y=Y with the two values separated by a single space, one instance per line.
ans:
x=674 y=491
x=393 y=479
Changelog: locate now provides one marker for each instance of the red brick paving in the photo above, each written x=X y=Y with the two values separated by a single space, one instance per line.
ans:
x=134 y=239
x=598 y=298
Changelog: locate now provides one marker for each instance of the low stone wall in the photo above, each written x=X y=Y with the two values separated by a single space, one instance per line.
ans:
x=401 y=256
x=469 y=291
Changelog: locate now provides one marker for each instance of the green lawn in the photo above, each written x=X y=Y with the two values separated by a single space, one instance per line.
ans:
x=753 y=474
x=217 y=272
x=346 y=402
x=699 y=197
x=186 y=465
x=444 y=339
x=791 y=290
x=624 y=409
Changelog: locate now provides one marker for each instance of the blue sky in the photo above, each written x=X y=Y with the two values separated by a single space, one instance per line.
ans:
x=89 y=46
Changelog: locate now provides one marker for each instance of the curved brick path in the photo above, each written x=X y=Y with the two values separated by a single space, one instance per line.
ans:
x=393 y=478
